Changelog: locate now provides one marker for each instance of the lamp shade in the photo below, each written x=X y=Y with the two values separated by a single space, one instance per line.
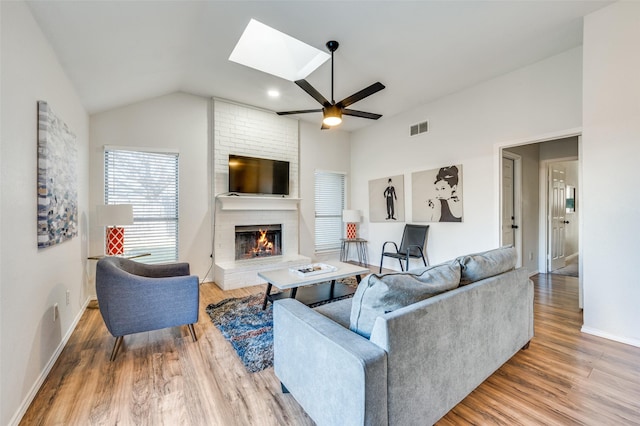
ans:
x=351 y=216
x=115 y=214
x=332 y=115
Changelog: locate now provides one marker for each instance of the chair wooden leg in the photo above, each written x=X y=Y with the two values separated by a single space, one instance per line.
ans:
x=193 y=332
x=116 y=347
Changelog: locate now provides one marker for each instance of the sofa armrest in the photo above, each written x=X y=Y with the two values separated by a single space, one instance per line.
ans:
x=336 y=375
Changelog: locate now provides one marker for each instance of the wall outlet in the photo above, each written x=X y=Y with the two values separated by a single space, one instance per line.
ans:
x=55 y=312
x=530 y=255
x=68 y=297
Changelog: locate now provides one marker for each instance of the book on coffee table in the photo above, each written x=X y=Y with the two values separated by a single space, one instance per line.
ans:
x=313 y=269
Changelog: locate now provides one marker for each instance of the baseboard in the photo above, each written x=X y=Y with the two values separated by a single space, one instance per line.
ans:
x=609 y=336
x=28 y=399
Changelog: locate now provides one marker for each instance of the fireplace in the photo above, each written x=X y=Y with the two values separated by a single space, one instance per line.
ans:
x=258 y=241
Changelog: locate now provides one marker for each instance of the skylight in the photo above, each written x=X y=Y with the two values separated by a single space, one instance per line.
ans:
x=271 y=51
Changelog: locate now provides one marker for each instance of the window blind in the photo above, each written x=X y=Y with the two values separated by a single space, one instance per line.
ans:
x=329 y=203
x=148 y=181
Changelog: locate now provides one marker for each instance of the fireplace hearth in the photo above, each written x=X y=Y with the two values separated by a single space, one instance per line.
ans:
x=258 y=241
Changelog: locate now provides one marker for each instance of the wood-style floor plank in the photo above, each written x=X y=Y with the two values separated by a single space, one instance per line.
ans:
x=163 y=377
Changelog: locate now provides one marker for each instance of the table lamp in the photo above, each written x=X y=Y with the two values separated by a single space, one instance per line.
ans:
x=111 y=216
x=351 y=218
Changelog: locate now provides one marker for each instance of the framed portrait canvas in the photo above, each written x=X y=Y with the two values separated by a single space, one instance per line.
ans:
x=386 y=199
x=57 y=179
x=437 y=194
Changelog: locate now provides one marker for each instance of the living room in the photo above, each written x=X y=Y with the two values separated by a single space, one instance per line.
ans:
x=590 y=90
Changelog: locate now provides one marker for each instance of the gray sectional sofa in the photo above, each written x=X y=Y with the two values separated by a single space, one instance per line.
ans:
x=418 y=360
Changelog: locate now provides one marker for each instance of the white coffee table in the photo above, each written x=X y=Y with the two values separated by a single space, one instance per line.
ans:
x=284 y=279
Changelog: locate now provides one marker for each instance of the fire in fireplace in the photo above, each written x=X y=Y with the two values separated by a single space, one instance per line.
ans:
x=258 y=241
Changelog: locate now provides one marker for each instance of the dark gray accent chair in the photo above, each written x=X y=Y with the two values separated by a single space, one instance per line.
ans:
x=135 y=297
x=412 y=245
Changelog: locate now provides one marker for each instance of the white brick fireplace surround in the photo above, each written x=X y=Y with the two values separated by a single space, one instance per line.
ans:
x=242 y=130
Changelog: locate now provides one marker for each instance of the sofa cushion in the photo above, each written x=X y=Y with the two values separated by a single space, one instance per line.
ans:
x=339 y=311
x=379 y=294
x=478 y=266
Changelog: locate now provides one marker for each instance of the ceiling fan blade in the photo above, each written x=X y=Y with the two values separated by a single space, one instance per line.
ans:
x=368 y=91
x=361 y=114
x=302 y=111
x=304 y=85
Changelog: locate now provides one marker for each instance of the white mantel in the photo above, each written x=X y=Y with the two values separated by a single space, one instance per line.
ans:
x=256 y=202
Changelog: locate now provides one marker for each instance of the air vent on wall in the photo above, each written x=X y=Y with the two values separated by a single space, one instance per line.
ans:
x=423 y=127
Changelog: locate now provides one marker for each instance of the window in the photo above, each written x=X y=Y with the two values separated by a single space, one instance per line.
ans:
x=329 y=200
x=148 y=181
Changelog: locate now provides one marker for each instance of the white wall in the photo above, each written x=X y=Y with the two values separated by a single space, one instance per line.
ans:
x=610 y=152
x=466 y=128
x=33 y=280
x=177 y=121
x=327 y=150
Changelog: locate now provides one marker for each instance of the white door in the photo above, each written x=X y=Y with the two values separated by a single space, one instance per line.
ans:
x=557 y=219
x=508 y=211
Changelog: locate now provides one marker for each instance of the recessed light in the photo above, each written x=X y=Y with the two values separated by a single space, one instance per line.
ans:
x=269 y=50
x=273 y=93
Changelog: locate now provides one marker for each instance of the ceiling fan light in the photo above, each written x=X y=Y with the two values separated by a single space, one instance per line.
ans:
x=332 y=116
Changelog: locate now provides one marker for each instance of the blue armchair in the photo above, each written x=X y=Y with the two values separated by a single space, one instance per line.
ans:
x=135 y=297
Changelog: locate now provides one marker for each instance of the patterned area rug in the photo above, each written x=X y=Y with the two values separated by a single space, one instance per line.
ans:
x=248 y=328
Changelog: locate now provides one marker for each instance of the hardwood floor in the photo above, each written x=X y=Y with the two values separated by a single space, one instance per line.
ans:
x=162 y=377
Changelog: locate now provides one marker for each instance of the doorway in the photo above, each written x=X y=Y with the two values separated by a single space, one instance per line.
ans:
x=532 y=221
x=512 y=202
x=563 y=221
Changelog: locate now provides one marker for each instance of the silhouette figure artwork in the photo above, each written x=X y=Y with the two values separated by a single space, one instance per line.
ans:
x=390 y=196
x=386 y=199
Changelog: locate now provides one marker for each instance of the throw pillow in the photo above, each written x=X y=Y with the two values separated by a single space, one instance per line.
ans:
x=478 y=266
x=379 y=294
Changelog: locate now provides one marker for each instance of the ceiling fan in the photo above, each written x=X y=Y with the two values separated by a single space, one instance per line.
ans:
x=333 y=111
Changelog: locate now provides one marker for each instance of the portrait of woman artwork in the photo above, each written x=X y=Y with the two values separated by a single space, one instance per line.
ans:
x=437 y=194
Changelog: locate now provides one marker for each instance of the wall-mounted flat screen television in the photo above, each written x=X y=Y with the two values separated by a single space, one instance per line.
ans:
x=251 y=175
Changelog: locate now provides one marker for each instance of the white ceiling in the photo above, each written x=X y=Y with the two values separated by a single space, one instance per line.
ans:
x=119 y=52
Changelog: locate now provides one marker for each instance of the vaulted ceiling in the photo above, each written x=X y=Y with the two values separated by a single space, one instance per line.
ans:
x=120 y=52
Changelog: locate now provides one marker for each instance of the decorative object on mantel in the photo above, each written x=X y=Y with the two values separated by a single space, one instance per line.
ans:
x=351 y=218
x=386 y=199
x=112 y=215
x=437 y=194
x=57 y=179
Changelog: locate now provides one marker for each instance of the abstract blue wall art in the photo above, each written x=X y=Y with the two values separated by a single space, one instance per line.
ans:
x=57 y=179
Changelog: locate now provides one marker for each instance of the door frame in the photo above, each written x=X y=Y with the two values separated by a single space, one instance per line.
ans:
x=517 y=201
x=498 y=151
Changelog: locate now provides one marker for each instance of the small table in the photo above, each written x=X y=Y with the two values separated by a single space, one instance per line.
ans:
x=284 y=279
x=125 y=256
x=361 y=248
